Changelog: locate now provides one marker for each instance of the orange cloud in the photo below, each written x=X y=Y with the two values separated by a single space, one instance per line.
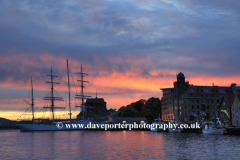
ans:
x=118 y=86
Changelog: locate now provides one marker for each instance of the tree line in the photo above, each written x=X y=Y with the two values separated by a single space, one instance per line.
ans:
x=150 y=109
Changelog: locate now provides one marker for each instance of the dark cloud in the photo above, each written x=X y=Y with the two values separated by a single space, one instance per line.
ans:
x=119 y=37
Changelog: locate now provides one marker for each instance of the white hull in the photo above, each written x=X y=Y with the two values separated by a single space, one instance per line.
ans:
x=154 y=129
x=158 y=130
x=175 y=130
x=213 y=131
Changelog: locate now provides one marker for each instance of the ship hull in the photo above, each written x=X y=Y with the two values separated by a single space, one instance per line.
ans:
x=175 y=130
x=213 y=131
x=44 y=127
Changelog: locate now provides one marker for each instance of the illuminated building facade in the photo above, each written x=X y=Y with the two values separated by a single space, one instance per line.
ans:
x=179 y=102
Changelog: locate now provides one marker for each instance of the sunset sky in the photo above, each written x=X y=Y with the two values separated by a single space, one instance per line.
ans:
x=129 y=48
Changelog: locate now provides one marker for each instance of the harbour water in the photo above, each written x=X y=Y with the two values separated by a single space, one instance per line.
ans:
x=116 y=145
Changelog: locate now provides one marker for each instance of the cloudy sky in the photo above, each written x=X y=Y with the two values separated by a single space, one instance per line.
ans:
x=129 y=48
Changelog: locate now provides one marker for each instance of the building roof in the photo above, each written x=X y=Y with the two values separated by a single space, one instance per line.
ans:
x=227 y=99
x=236 y=95
x=130 y=119
x=180 y=75
x=208 y=89
x=165 y=88
x=95 y=100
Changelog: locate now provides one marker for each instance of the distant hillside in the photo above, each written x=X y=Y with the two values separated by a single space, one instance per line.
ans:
x=7 y=124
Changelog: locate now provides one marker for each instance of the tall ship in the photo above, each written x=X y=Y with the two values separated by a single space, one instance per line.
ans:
x=58 y=125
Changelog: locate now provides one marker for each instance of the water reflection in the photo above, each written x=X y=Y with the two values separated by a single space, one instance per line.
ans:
x=116 y=145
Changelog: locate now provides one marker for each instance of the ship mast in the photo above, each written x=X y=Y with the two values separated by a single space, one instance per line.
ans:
x=70 y=114
x=82 y=96
x=32 y=104
x=32 y=101
x=214 y=99
x=52 y=98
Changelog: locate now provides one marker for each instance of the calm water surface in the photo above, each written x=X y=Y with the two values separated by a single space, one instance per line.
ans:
x=116 y=145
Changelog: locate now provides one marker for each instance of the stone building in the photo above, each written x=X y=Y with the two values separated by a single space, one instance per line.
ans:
x=178 y=102
x=97 y=108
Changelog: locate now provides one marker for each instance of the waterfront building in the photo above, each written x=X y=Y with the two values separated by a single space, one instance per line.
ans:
x=179 y=102
x=128 y=120
x=97 y=108
x=235 y=108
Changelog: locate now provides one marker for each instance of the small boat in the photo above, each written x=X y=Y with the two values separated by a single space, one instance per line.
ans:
x=211 y=129
x=158 y=126
x=215 y=131
x=173 y=130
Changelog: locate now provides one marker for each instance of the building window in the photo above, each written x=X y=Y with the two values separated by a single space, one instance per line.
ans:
x=185 y=107
x=192 y=106
x=197 y=107
x=198 y=112
x=192 y=101
x=197 y=101
x=208 y=107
